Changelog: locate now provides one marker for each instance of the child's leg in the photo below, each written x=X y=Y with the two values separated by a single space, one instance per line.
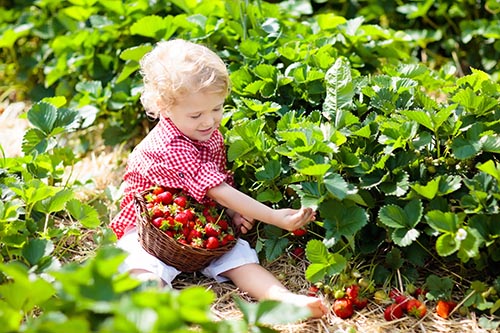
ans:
x=147 y=276
x=143 y=265
x=262 y=284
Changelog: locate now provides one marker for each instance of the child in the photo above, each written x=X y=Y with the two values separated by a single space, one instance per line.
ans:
x=185 y=86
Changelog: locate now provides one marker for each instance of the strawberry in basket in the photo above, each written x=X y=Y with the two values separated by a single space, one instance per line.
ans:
x=190 y=223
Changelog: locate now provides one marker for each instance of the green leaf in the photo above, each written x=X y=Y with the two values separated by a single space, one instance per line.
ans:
x=339 y=92
x=36 y=249
x=271 y=312
x=490 y=167
x=54 y=203
x=393 y=259
x=465 y=148
x=86 y=214
x=446 y=245
x=405 y=237
x=341 y=220
x=438 y=288
x=148 y=26
x=429 y=191
x=395 y=217
x=194 y=304
x=469 y=247
x=443 y=221
x=309 y=167
x=323 y=263
x=275 y=247
x=270 y=171
x=43 y=116
x=36 y=140
x=338 y=187
x=266 y=72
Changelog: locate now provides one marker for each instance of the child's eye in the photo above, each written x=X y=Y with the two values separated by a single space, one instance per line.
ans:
x=195 y=116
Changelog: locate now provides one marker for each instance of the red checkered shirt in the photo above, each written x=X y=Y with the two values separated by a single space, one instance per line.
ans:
x=167 y=157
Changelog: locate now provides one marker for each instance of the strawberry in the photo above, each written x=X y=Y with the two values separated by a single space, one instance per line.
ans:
x=212 y=243
x=443 y=308
x=157 y=190
x=181 y=217
x=165 y=197
x=416 y=308
x=298 y=252
x=212 y=229
x=393 y=311
x=342 y=307
x=352 y=291
x=223 y=225
x=156 y=211
x=313 y=291
x=181 y=201
x=158 y=221
x=194 y=233
x=299 y=232
x=226 y=239
x=402 y=300
x=360 y=302
x=393 y=293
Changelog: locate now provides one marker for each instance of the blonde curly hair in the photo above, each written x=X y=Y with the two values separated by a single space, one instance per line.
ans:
x=176 y=68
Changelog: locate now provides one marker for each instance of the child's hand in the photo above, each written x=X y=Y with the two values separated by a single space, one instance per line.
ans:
x=243 y=223
x=292 y=219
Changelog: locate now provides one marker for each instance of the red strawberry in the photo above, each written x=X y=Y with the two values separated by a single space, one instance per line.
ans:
x=360 y=302
x=181 y=201
x=313 y=290
x=393 y=293
x=416 y=308
x=352 y=291
x=212 y=243
x=158 y=221
x=181 y=217
x=443 y=308
x=226 y=239
x=223 y=225
x=402 y=300
x=393 y=311
x=212 y=230
x=299 y=232
x=156 y=211
x=342 y=307
x=157 y=190
x=298 y=252
x=193 y=234
x=165 y=197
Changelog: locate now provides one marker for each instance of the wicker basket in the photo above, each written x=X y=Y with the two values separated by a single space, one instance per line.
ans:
x=183 y=257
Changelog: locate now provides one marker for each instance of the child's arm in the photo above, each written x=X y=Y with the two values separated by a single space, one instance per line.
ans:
x=288 y=219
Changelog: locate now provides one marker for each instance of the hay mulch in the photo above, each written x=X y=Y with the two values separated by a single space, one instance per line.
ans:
x=101 y=170
x=369 y=320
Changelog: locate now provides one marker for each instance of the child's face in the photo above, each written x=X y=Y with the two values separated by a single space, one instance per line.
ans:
x=197 y=115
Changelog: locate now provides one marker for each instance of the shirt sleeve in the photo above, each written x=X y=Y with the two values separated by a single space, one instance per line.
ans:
x=182 y=167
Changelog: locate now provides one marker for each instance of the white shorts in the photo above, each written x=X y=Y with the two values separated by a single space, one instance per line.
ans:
x=241 y=254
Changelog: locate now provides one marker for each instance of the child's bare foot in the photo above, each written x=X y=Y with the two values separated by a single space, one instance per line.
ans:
x=316 y=305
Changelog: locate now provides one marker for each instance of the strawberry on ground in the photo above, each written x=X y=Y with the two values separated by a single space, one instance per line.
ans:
x=416 y=308
x=342 y=307
x=443 y=308
x=393 y=311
